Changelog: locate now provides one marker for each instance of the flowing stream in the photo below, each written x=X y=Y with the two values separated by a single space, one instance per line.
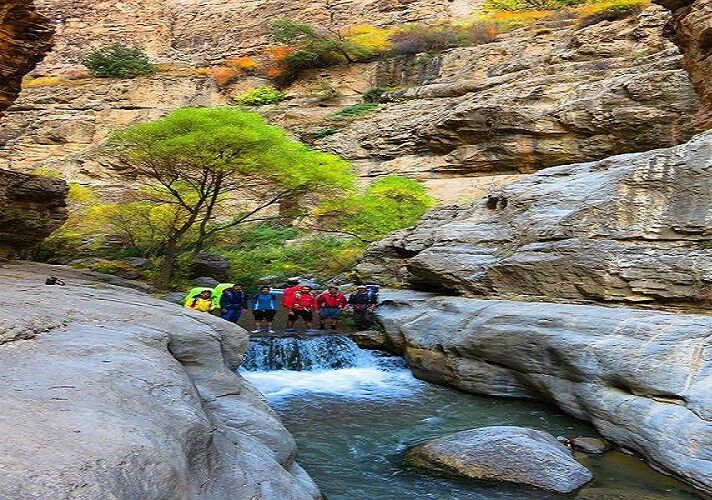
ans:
x=354 y=413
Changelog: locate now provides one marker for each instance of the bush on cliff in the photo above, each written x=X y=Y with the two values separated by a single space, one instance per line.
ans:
x=260 y=96
x=118 y=61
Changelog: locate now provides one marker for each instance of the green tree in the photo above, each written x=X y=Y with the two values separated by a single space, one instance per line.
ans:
x=389 y=204
x=195 y=160
x=118 y=61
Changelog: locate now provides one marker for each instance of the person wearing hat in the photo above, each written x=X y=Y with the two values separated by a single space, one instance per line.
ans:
x=362 y=304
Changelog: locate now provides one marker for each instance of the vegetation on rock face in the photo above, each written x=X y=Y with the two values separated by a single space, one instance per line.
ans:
x=355 y=111
x=260 y=96
x=517 y=5
x=222 y=180
x=118 y=61
x=193 y=159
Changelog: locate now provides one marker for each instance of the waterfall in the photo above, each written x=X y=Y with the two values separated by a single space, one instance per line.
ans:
x=326 y=352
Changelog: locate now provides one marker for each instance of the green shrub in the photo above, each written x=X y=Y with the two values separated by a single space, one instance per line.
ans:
x=324 y=92
x=515 y=5
x=355 y=111
x=118 y=61
x=374 y=94
x=260 y=96
x=324 y=132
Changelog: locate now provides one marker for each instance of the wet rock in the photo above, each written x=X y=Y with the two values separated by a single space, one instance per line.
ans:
x=369 y=339
x=138 y=396
x=213 y=266
x=594 y=446
x=630 y=372
x=503 y=453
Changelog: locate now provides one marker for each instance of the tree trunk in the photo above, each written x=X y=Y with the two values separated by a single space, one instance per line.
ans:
x=165 y=270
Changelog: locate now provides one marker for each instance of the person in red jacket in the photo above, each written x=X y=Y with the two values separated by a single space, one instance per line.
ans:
x=289 y=292
x=301 y=305
x=331 y=303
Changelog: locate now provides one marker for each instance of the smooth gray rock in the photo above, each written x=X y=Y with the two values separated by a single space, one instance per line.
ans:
x=175 y=297
x=214 y=266
x=206 y=281
x=107 y=392
x=503 y=453
x=631 y=229
x=594 y=446
x=642 y=378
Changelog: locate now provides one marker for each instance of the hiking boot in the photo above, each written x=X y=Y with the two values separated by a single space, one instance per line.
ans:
x=290 y=330
x=256 y=331
x=333 y=327
x=322 y=327
x=271 y=331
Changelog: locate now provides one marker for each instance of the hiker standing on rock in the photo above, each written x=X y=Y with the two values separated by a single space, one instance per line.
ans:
x=202 y=302
x=264 y=309
x=331 y=303
x=232 y=302
x=302 y=304
x=363 y=304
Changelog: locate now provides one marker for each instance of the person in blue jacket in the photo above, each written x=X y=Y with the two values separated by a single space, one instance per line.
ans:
x=232 y=302
x=264 y=308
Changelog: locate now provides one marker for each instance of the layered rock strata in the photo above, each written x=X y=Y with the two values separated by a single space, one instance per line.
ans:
x=25 y=37
x=109 y=393
x=630 y=229
x=31 y=207
x=691 y=29
x=642 y=378
x=537 y=97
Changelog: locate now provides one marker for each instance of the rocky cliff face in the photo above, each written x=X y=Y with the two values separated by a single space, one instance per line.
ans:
x=25 y=37
x=149 y=409
x=462 y=122
x=691 y=29
x=30 y=207
x=629 y=229
x=538 y=97
x=200 y=32
x=642 y=378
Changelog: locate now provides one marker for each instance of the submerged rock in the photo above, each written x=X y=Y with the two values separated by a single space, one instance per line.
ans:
x=503 y=453
x=594 y=446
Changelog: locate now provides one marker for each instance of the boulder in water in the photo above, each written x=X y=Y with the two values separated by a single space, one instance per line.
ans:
x=594 y=446
x=503 y=453
x=369 y=339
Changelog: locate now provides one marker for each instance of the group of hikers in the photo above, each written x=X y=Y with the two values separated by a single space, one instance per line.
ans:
x=299 y=300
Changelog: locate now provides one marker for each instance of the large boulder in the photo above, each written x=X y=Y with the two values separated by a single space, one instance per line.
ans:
x=503 y=453
x=630 y=229
x=207 y=265
x=642 y=378
x=138 y=398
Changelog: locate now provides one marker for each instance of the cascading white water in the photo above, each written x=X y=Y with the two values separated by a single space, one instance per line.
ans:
x=328 y=364
x=326 y=352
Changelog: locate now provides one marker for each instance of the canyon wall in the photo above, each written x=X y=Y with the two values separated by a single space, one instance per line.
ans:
x=30 y=207
x=691 y=28
x=463 y=122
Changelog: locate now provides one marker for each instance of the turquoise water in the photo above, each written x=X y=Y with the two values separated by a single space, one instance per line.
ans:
x=353 y=426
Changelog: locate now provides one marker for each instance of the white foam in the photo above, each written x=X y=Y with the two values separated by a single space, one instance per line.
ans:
x=361 y=382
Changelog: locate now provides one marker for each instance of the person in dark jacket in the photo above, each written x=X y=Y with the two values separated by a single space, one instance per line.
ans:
x=362 y=304
x=232 y=302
